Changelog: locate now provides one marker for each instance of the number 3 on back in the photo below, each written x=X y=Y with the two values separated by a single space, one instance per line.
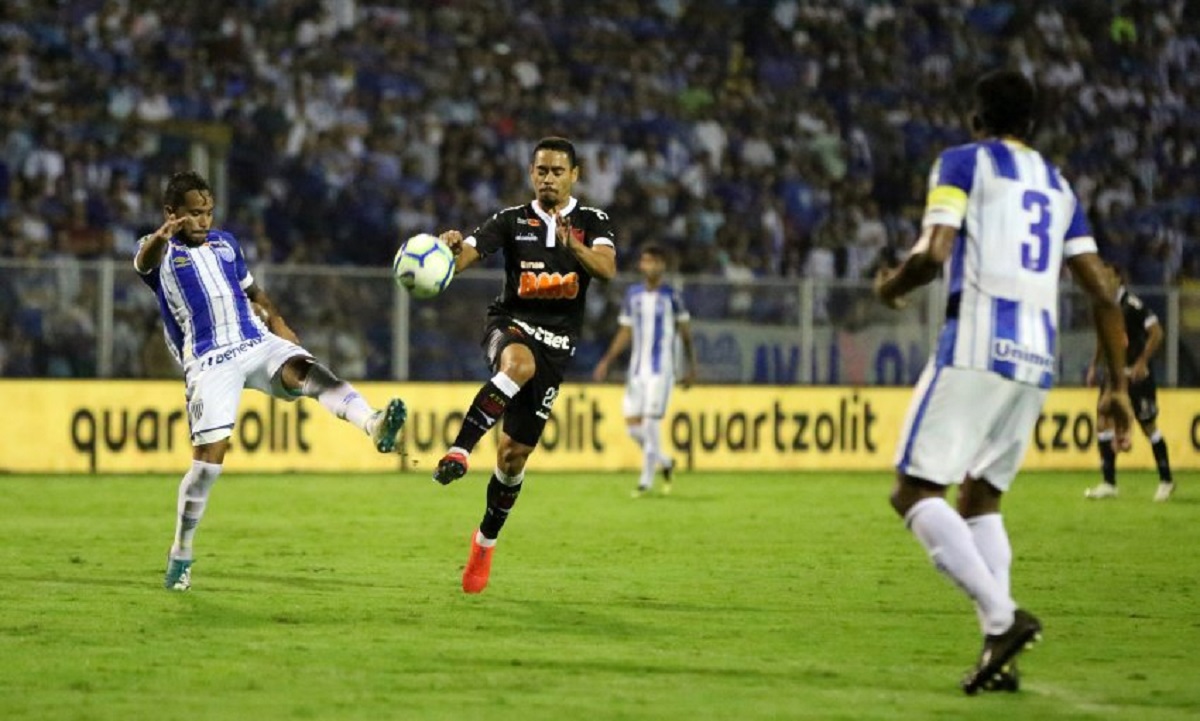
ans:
x=1035 y=252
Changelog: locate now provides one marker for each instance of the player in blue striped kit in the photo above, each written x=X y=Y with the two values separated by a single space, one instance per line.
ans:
x=652 y=316
x=213 y=317
x=1002 y=220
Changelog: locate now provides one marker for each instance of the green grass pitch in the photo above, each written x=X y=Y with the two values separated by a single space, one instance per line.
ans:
x=754 y=596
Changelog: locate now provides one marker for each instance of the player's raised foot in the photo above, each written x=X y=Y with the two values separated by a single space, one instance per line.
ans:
x=452 y=467
x=387 y=425
x=479 y=566
x=1000 y=650
x=179 y=574
x=1164 y=492
x=1103 y=490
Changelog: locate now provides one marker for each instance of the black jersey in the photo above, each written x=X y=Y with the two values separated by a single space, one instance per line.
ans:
x=544 y=283
x=1138 y=320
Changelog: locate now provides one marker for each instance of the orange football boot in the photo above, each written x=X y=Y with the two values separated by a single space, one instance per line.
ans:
x=479 y=566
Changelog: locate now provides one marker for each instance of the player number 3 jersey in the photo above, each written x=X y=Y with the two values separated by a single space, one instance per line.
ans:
x=1017 y=219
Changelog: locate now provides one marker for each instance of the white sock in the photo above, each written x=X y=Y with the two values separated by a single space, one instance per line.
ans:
x=950 y=545
x=508 y=480
x=991 y=540
x=651 y=456
x=193 y=499
x=506 y=385
x=346 y=403
x=483 y=540
x=655 y=427
x=635 y=432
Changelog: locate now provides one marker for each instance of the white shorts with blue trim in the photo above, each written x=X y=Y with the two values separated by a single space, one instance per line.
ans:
x=965 y=422
x=215 y=382
x=646 y=396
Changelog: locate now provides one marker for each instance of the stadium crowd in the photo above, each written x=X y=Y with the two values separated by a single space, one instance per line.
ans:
x=787 y=138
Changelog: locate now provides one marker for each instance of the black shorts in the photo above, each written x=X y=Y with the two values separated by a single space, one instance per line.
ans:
x=529 y=410
x=1143 y=396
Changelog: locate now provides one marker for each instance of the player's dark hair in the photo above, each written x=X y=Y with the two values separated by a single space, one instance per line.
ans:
x=1006 y=103
x=653 y=249
x=561 y=145
x=179 y=185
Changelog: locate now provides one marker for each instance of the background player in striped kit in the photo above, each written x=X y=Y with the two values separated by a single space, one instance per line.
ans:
x=652 y=316
x=1002 y=219
x=1145 y=336
x=213 y=314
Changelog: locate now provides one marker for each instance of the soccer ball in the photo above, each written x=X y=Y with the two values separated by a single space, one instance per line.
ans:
x=423 y=266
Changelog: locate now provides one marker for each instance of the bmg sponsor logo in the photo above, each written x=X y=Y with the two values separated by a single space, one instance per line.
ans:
x=548 y=285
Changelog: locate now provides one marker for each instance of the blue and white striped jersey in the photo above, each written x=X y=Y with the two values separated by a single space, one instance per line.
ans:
x=652 y=315
x=202 y=296
x=1018 y=219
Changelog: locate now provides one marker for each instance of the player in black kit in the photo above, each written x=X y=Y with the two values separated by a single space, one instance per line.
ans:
x=553 y=247
x=1144 y=337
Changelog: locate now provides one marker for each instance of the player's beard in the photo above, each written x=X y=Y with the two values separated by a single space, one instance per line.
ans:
x=194 y=238
x=548 y=198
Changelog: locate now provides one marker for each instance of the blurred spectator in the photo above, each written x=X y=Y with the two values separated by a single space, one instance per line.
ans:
x=345 y=125
x=867 y=240
x=821 y=267
x=431 y=102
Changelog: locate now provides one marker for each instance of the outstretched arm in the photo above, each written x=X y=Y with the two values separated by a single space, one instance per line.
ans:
x=464 y=255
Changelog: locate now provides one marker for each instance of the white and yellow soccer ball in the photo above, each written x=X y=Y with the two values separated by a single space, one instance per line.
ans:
x=423 y=266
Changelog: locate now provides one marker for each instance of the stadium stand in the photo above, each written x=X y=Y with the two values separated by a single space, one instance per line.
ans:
x=754 y=138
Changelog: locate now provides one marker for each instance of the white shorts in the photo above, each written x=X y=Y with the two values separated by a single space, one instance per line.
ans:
x=965 y=422
x=215 y=381
x=647 y=396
